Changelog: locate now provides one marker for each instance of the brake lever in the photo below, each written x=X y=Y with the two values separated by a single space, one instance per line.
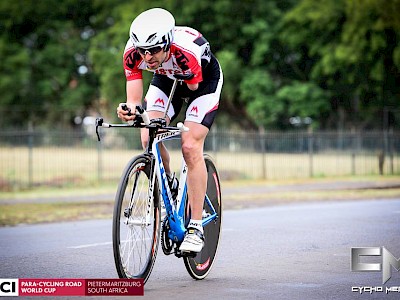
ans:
x=99 y=123
x=126 y=108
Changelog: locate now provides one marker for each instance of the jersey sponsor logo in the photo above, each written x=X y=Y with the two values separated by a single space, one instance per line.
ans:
x=182 y=60
x=162 y=71
x=207 y=53
x=194 y=112
x=131 y=58
x=159 y=102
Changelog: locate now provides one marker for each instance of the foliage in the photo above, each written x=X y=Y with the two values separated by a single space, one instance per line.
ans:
x=336 y=61
x=352 y=46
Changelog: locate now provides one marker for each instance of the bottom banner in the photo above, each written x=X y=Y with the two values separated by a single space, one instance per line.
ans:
x=113 y=287
x=71 y=287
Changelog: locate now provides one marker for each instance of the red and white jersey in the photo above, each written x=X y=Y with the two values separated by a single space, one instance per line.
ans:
x=188 y=49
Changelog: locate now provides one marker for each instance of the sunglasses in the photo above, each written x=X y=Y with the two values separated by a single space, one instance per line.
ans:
x=150 y=51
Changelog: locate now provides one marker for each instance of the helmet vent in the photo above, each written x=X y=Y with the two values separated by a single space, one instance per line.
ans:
x=151 y=37
x=134 y=37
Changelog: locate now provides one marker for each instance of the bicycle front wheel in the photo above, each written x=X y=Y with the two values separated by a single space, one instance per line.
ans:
x=136 y=222
x=199 y=266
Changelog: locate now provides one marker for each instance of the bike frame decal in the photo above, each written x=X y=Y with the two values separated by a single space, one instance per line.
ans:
x=203 y=266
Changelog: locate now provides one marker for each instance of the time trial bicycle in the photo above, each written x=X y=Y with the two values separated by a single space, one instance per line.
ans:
x=142 y=194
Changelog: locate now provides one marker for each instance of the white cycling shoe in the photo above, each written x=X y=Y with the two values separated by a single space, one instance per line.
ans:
x=193 y=241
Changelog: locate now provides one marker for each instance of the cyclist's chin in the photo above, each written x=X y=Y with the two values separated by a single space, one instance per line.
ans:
x=153 y=65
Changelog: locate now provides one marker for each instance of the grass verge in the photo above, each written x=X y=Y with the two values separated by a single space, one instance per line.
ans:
x=51 y=205
x=34 y=213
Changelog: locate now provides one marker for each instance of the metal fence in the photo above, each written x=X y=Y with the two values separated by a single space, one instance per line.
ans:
x=58 y=158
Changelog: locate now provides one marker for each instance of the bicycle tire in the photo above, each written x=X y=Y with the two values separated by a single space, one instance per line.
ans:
x=135 y=239
x=199 y=266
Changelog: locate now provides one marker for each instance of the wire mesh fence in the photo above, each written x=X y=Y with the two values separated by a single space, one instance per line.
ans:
x=58 y=158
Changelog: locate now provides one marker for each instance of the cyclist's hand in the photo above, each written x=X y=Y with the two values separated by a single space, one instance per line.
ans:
x=126 y=112
x=183 y=76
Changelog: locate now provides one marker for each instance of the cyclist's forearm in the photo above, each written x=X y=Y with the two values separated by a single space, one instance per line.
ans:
x=134 y=92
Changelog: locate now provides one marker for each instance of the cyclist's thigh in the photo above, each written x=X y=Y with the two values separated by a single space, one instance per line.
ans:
x=203 y=108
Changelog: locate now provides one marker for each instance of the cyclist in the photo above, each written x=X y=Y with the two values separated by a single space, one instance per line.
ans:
x=170 y=52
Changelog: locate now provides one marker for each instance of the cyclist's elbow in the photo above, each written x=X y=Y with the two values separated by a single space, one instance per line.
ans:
x=193 y=87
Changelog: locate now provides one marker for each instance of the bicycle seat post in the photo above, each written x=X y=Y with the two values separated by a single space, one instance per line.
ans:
x=171 y=94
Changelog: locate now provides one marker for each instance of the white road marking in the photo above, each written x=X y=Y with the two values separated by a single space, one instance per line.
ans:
x=90 y=245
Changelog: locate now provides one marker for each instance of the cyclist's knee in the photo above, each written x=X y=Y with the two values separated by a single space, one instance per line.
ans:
x=192 y=152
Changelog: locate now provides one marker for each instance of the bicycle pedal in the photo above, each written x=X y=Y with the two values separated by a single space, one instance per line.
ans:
x=189 y=254
x=179 y=253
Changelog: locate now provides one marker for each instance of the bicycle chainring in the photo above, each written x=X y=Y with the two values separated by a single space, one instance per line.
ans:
x=166 y=242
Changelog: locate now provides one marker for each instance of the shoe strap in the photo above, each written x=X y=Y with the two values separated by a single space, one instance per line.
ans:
x=195 y=231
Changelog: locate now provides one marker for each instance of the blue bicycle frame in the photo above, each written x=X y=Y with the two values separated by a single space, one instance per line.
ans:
x=175 y=210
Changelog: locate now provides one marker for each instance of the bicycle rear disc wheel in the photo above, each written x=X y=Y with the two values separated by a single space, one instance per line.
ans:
x=136 y=222
x=199 y=266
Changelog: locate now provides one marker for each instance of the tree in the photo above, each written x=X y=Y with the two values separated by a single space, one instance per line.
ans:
x=350 y=49
x=336 y=61
x=45 y=75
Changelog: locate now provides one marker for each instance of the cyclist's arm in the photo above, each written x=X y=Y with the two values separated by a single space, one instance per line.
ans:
x=193 y=87
x=134 y=94
x=134 y=91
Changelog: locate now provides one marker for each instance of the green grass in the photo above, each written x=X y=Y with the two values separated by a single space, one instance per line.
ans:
x=46 y=206
x=33 y=213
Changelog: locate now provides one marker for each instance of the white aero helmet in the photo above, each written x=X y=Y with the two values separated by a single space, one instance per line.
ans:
x=152 y=28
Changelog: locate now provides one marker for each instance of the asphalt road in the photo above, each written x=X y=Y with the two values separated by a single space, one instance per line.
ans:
x=297 y=251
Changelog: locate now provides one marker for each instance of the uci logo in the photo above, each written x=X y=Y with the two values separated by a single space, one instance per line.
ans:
x=8 y=287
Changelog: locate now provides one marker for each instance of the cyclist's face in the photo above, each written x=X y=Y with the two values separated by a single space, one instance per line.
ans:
x=153 y=57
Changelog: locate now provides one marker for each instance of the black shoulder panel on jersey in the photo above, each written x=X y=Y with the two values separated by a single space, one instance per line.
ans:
x=200 y=41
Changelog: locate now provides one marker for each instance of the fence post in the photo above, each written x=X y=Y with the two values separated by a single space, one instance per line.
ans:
x=100 y=161
x=353 y=152
x=310 y=150
x=391 y=150
x=261 y=134
x=30 y=154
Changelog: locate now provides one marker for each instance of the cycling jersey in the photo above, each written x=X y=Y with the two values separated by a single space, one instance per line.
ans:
x=189 y=55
